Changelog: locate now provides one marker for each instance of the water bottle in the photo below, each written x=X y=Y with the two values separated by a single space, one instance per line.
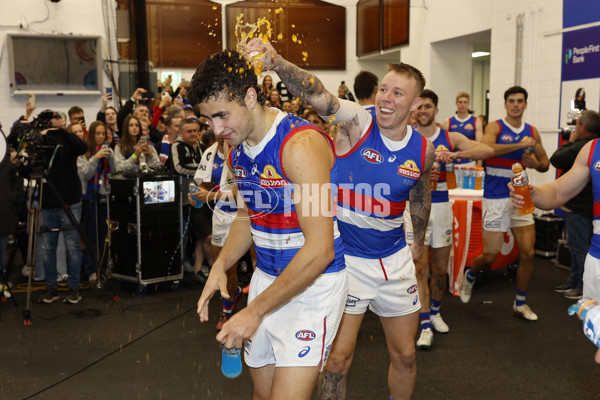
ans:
x=460 y=176
x=467 y=178
x=450 y=177
x=194 y=189
x=589 y=312
x=479 y=174
x=435 y=166
x=231 y=362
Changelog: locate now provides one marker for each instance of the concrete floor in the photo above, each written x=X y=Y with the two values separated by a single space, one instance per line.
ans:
x=154 y=347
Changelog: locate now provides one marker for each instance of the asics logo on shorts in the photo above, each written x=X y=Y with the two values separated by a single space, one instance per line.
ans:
x=305 y=335
x=415 y=300
x=304 y=351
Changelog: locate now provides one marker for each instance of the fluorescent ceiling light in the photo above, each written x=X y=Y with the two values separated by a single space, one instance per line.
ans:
x=480 y=54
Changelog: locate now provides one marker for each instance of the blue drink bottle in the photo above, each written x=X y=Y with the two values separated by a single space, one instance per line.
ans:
x=194 y=189
x=231 y=362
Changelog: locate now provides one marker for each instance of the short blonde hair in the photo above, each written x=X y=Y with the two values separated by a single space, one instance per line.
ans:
x=463 y=94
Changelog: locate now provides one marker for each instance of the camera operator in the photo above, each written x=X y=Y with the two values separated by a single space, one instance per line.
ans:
x=62 y=174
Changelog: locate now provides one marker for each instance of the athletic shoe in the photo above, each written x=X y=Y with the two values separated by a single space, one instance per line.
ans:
x=92 y=278
x=524 y=312
x=573 y=294
x=62 y=277
x=564 y=288
x=6 y=292
x=466 y=289
x=73 y=297
x=425 y=340
x=205 y=270
x=50 y=296
x=438 y=323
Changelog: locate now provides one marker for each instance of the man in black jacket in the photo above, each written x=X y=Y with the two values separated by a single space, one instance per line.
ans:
x=580 y=208
x=62 y=174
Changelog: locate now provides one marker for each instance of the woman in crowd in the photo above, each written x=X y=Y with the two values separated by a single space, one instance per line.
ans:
x=131 y=152
x=267 y=87
x=93 y=168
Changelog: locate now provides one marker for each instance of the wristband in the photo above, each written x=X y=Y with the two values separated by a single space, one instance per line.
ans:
x=134 y=156
x=132 y=99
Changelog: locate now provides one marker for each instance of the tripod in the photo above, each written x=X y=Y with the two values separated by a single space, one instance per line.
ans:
x=33 y=228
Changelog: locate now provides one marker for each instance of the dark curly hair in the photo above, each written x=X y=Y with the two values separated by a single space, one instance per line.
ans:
x=226 y=71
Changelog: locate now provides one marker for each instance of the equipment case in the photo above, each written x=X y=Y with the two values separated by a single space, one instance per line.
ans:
x=144 y=212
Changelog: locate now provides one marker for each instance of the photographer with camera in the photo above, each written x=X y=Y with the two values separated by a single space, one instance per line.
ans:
x=580 y=213
x=62 y=149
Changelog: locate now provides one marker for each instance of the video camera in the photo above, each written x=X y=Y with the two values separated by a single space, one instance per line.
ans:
x=577 y=106
x=35 y=149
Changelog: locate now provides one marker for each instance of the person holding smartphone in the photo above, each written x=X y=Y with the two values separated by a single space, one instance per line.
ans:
x=93 y=168
x=132 y=151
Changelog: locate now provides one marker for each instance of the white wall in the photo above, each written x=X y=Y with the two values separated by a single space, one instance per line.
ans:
x=431 y=22
x=541 y=66
x=77 y=17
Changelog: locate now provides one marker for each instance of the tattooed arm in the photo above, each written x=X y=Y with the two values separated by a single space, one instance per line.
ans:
x=352 y=118
x=420 y=205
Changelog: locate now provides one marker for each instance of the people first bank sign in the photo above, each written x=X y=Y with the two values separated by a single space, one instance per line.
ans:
x=581 y=54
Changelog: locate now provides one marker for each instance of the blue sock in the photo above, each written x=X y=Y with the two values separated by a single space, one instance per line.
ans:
x=470 y=276
x=228 y=304
x=425 y=321
x=521 y=296
x=434 y=308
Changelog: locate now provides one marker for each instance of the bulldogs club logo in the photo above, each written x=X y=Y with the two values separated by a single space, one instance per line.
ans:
x=271 y=179
x=409 y=169
x=372 y=156
x=441 y=148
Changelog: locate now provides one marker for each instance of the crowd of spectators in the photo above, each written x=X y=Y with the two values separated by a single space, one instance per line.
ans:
x=141 y=134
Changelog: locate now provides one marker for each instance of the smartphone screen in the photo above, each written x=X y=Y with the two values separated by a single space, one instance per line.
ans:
x=109 y=93
x=144 y=139
x=31 y=99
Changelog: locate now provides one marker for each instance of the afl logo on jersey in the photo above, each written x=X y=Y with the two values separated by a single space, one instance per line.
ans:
x=506 y=138
x=240 y=172
x=409 y=169
x=412 y=289
x=372 y=156
x=305 y=335
x=597 y=165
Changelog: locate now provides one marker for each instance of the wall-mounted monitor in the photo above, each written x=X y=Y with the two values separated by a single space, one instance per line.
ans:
x=55 y=64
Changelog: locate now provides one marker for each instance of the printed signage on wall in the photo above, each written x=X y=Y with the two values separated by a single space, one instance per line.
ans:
x=581 y=54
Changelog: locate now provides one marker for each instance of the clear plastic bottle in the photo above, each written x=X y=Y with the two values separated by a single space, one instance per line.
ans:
x=194 y=189
x=460 y=177
x=231 y=362
x=589 y=312
x=436 y=166
x=520 y=182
